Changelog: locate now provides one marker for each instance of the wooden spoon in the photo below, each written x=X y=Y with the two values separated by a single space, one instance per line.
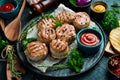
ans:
x=12 y=30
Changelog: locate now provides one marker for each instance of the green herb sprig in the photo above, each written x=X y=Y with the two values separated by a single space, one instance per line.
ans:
x=110 y=19
x=75 y=62
x=26 y=41
x=10 y=60
x=29 y=26
x=3 y=43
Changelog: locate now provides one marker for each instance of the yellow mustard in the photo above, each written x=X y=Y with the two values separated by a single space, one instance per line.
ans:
x=99 y=8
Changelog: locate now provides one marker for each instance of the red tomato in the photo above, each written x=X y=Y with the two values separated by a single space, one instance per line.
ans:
x=7 y=7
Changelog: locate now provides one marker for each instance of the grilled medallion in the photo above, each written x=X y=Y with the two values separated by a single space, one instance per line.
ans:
x=46 y=23
x=66 y=31
x=59 y=49
x=81 y=20
x=36 y=51
x=65 y=17
x=46 y=35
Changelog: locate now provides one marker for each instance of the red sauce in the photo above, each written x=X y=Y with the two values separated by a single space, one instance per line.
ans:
x=89 y=39
x=7 y=7
x=114 y=65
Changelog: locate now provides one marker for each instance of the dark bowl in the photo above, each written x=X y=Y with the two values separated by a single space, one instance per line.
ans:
x=112 y=68
x=80 y=8
x=12 y=13
x=89 y=49
x=95 y=14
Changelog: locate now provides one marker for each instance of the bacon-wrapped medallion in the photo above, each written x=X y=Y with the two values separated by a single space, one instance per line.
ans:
x=36 y=51
x=65 y=17
x=46 y=35
x=46 y=23
x=81 y=20
x=59 y=49
x=66 y=31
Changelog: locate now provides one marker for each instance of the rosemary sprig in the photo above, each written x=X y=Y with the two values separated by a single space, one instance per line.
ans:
x=10 y=60
x=32 y=23
x=60 y=66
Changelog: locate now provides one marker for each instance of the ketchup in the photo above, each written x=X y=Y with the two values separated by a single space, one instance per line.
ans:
x=7 y=7
x=89 y=39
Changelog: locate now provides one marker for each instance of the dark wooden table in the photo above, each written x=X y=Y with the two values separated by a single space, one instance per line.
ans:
x=98 y=72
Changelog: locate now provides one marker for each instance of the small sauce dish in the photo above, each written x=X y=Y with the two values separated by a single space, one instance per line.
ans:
x=114 y=65
x=89 y=40
x=98 y=9
x=9 y=8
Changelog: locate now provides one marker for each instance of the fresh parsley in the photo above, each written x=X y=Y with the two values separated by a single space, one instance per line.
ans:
x=110 y=19
x=75 y=60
